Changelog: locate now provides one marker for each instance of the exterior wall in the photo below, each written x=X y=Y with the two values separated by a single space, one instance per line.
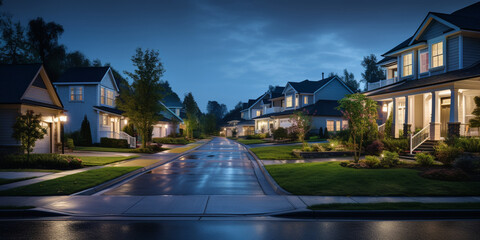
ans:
x=332 y=91
x=471 y=51
x=163 y=129
x=302 y=101
x=38 y=94
x=107 y=81
x=433 y=30
x=321 y=122
x=8 y=115
x=452 y=53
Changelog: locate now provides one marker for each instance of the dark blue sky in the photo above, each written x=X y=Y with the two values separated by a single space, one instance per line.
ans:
x=231 y=51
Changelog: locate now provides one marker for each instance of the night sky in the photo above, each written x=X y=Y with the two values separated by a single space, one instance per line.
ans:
x=231 y=51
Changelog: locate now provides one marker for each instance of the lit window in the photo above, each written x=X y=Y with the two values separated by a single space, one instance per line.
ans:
x=330 y=125
x=296 y=101
x=344 y=124
x=289 y=101
x=305 y=100
x=259 y=112
x=423 y=62
x=337 y=126
x=102 y=95
x=76 y=93
x=104 y=119
x=437 y=55
x=407 y=64
x=110 y=98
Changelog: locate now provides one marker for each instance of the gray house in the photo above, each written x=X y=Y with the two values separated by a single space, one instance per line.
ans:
x=432 y=78
x=91 y=92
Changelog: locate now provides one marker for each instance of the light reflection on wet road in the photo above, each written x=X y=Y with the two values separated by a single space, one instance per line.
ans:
x=220 y=167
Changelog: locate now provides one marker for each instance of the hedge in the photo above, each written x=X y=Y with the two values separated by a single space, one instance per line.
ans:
x=40 y=161
x=171 y=140
x=113 y=142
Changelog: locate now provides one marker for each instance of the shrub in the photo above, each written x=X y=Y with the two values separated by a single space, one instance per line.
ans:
x=446 y=174
x=69 y=143
x=344 y=163
x=293 y=135
x=375 y=148
x=395 y=145
x=424 y=159
x=468 y=162
x=320 y=133
x=149 y=149
x=446 y=154
x=85 y=133
x=75 y=136
x=318 y=148
x=280 y=133
x=468 y=144
x=171 y=140
x=296 y=152
x=41 y=161
x=371 y=161
x=256 y=136
x=389 y=159
x=326 y=135
x=112 y=142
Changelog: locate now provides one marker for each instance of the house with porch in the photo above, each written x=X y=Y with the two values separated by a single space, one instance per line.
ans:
x=318 y=99
x=28 y=87
x=91 y=92
x=432 y=78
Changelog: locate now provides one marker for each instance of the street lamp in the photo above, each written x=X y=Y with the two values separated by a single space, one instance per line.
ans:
x=63 y=119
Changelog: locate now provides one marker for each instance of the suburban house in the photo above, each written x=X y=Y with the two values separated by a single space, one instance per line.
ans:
x=241 y=127
x=432 y=78
x=169 y=123
x=318 y=99
x=27 y=87
x=91 y=92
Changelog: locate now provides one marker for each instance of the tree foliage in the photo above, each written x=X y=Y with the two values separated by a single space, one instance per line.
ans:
x=85 y=133
x=475 y=122
x=349 y=80
x=301 y=124
x=14 y=46
x=372 y=73
x=141 y=100
x=233 y=114
x=361 y=113
x=192 y=121
x=27 y=129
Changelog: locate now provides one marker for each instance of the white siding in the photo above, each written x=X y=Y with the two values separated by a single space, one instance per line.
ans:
x=38 y=94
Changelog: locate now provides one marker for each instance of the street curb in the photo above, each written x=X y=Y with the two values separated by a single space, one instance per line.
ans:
x=383 y=214
x=19 y=213
x=139 y=171
x=279 y=190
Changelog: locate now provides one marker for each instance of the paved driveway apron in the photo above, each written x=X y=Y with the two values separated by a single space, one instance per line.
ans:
x=220 y=167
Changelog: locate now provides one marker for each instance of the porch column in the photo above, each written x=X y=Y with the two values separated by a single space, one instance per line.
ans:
x=407 y=125
x=435 y=121
x=454 y=124
x=394 y=117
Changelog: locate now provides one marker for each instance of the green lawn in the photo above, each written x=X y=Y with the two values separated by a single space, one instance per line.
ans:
x=251 y=141
x=12 y=180
x=96 y=161
x=329 y=178
x=395 y=206
x=276 y=152
x=316 y=139
x=29 y=170
x=183 y=149
x=69 y=184
x=104 y=149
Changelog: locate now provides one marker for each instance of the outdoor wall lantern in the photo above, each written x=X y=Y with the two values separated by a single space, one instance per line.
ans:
x=63 y=120
x=384 y=108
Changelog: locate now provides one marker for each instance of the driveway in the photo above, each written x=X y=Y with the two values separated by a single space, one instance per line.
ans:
x=220 y=167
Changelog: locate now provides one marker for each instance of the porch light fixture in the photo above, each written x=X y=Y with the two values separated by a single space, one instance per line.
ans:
x=63 y=118
x=55 y=119
x=384 y=108
x=126 y=121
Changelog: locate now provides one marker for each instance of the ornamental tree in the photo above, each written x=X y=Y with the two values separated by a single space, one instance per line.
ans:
x=361 y=113
x=475 y=122
x=27 y=130
x=301 y=123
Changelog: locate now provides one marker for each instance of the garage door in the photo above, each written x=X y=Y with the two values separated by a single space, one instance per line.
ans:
x=43 y=145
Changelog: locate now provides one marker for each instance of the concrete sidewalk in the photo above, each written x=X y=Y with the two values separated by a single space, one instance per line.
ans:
x=199 y=205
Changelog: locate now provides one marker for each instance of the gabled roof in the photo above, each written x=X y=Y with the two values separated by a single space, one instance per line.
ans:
x=109 y=110
x=172 y=113
x=277 y=92
x=386 y=60
x=15 y=79
x=172 y=101
x=83 y=74
x=457 y=75
x=320 y=108
x=307 y=86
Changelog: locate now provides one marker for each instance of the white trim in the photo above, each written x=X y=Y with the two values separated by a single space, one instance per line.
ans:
x=406 y=49
x=427 y=22
x=178 y=117
x=460 y=51
x=48 y=84
x=289 y=85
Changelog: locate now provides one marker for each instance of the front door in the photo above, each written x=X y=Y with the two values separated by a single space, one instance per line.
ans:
x=444 y=117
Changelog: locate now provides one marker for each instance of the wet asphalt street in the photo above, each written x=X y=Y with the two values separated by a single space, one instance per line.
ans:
x=220 y=167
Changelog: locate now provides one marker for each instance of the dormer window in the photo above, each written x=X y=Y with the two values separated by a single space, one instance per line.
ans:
x=407 y=64
x=424 y=61
x=289 y=101
x=437 y=54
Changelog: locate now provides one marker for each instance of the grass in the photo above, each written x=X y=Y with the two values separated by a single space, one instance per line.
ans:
x=12 y=180
x=15 y=207
x=183 y=149
x=96 y=161
x=315 y=139
x=104 y=149
x=69 y=184
x=395 y=206
x=330 y=179
x=29 y=170
x=276 y=152
x=251 y=141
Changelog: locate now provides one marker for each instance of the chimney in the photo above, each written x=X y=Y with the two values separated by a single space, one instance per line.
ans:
x=323 y=75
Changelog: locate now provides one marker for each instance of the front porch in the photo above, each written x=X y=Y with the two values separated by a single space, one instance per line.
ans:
x=436 y=112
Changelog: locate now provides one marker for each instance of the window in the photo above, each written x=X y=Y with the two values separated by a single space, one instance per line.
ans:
x=258 y=113
x=110 y=98
x=296 y=101
x=289 y=101
x=76 y=93
x=305 y=100
x=337 y=126
x=330 y=125
x=104 y=120
x=424 y=62
x=407 y=65
x=344 y=124
x=437 y=55
x=102 y=95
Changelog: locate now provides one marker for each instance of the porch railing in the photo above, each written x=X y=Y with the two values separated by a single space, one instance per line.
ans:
x=419 y=138
x=381 y=83
x=467 y=131
x=381 y=128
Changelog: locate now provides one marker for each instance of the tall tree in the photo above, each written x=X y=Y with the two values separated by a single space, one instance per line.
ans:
x=372 y=73
x=233 y=114
x=141 y=102
x=43 y=37
x=349 y=80
x=85 y=133
x=27 y=130
x=193 y=114
x=217 y=109
x=14 y=45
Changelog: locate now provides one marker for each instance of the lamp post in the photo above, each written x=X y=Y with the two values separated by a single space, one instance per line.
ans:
x=63 y=119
